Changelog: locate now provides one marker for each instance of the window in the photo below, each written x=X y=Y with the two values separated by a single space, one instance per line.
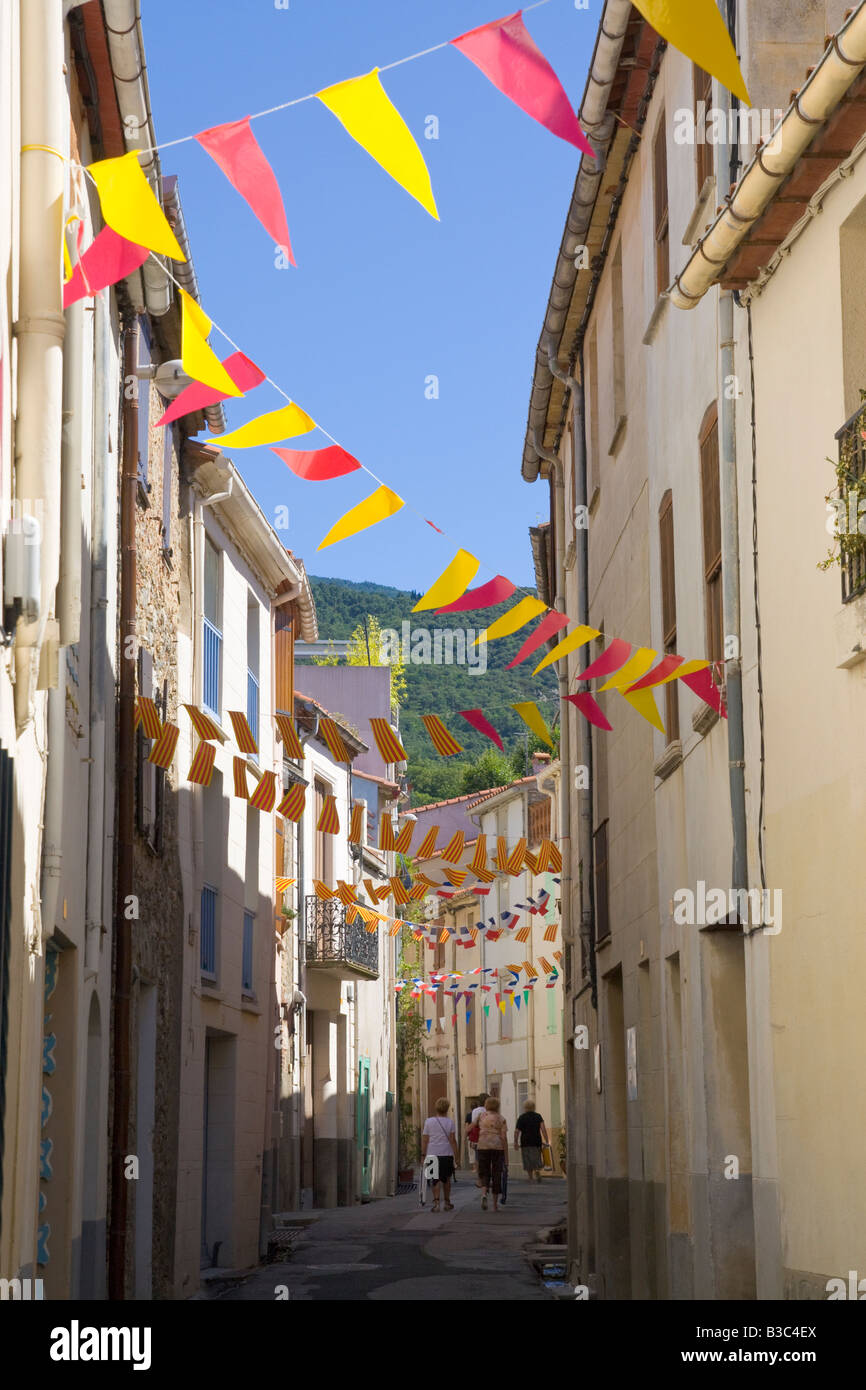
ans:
x=144 y=360
x=669 y=610
x=208 y=931
x=539 y=821
x=712 y=523
x=618 y=345
x=555 y=1108
x=602 y=912
x=522 y=1095
x=214 y=834
x=253 y=612
x=552 y=1012
x=149 y=779
x=660 y=199
x=167 y=441
x=212 y=636
x=323 y=844
x=247 y=954
x=703 y=90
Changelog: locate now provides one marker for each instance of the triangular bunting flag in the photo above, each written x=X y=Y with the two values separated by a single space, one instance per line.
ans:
x=318 y=465
x=237 y=152
x=451 y=584
x=198 y=359
x=516 y=618
x=269 y=428
x=377 y=507
x=129 y=205
x=442 y=741
x=531 y=716
x=487 y=595
x=483 y=726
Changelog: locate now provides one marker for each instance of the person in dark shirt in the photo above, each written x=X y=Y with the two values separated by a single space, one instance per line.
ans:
x=529 y=1135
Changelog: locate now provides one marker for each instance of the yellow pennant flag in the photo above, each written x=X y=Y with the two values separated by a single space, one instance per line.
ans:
x=377 y=507
x=366 y=112
x=637 y=665
x=697 y=29
x=516 y=617
x=531 y=716
x=578 y=638
x=129 y=205
x=270 y=428
x=451 y=584
x=197 y=359
x=644 y=702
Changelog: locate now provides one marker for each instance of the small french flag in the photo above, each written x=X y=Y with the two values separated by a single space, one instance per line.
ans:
x=509 y=920
x=540 y=903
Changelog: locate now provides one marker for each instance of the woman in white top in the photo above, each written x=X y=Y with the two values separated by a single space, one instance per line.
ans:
x=439 y=1137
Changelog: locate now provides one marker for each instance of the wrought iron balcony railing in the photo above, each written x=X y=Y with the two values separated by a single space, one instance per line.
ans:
x=852 y=453
x=333 y=941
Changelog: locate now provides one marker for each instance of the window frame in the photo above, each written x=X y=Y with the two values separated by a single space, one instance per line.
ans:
x=712 y=556
x=667 y=576
x=702 y=90
x=661 y=206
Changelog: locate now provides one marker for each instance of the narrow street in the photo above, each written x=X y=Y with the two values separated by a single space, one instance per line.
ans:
x=393 y=1249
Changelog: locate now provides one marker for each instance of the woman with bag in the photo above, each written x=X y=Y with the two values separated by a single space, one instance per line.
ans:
x=439 y=1138
x=492 y=1151
x=471 y=1131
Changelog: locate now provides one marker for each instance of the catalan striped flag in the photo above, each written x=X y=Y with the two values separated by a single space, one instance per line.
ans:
x=204 y=725
x=292 y=804
x=501 y=853
x=372 y=891
x=334 y=739
x=386 y=831
x=201 y=769
x=239 y=770
x=398 y=888
x=530 y=861
x=454 y=848
x=291 y=743
x=390 y=748
x=550 y=935
x=345 y=892
x=243 y=733
x=515 y=861
x=557 y=955
x=419 y=891
x=542 y=861
x=457 y=877
x=530 y=969
x=427 y=847
x=322 y=891
x=370 y=927
x=484 y=875
x=440 y=737
x=443 y=935
x=356 y=827
x=148 y=717
x=382 y=892
x=546 y=966
x=404 y=839
x=555 y=856
x=283 y=884
x=265 y=794
x=479 y=858
x=473 y=932
x=162 y=752
x=523 y=935
x=329 y=821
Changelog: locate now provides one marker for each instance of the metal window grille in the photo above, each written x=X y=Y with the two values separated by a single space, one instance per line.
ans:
x=247 y=954
x=213 y=642
x=208 y=931
x=253 y=704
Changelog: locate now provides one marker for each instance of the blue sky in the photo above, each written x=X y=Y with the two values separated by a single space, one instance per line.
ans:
x=383 y=296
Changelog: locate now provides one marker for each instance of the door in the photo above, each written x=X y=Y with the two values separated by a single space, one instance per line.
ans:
x=362 y=1110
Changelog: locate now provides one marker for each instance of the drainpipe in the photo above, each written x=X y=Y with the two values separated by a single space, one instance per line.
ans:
x=125 y=830
x=40 y=325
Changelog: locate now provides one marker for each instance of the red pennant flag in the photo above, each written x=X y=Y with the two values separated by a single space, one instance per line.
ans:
x=507 y=55
x=318 y=465
x=546 y=629
x=108 y=258
x=657 y=674
x=611 y=659
x=478 y=721
x=589 y=707
x=703 y=685
x=244 y=373
x=485 y=596
x=238 y=153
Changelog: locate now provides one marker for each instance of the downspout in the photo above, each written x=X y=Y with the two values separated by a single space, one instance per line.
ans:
x=125 y=830
x=40 y=326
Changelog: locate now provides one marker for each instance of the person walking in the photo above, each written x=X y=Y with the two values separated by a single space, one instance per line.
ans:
x=439 y=1137
x=492 y=1151
x=471 y=1131
x=529 y=1134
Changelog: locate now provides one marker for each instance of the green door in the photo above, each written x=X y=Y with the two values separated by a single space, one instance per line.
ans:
x=362 y=1128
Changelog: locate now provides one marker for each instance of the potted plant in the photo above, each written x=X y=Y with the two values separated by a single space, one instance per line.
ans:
x=560 y=1150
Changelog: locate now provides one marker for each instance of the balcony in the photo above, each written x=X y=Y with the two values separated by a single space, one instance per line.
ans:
x=335 y=944
x=852 y=488
x=253 y=705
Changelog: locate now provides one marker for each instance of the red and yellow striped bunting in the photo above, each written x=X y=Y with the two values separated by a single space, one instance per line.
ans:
x=523 y=935
x=201 y=769
x=395 y=928
x=530 y=861
x=204 y=725
x=239 y=769
x=484 y=875
x=291 y=743
x=162 y=752
x=398 y=888
x=386 y=832
x=243 y=733
x=515 y=861
x=345 y=892
x=479 y=858
x=404 y=839
x=390 y=748
x=292 y=804
x=265 y=794
x=356 y=828
x=283 y=884
x=557 y=955
x=329 y=820
x=501 y=853
x=442 y=741
x=148 y=717
x=555 y=858
x=550 y=933
x=530 y=969
x=322 y=891
x=427 y=847
x=444 y=935
x=545 y=965
x=454 y=849
x=333 y=738
x=457 y=877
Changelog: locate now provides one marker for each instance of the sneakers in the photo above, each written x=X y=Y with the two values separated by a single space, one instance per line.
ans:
x=484 y=1202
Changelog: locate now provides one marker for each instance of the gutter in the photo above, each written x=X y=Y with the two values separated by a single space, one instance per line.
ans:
x=184 y=273
x=838 y=70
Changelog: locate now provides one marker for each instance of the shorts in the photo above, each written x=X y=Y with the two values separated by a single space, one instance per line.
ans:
x=446 y=1168
x=531 y=1159
x=490 y=1165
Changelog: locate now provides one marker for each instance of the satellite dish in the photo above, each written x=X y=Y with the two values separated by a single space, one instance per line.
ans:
x=170 y=379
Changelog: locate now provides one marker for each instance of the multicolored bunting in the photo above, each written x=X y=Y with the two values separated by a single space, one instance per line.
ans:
x=269 y=428
x=638 y=663
x=390 y=748
x=703 y=685
x=243 y=733
x=670 y=668
x=234 y=148
x=129 y=205
x=150 y=721
x=531 y=716
x=488 y=595
x=612 y=659
x=162 y=752
x=334 y=740
x=377 y=507
x=108 y=258
x=578 y=638
x=292 y=804
x=318 y=465
x=329 y=820
x=427 y=847
x=201 y=768
x=644 y=702
x=440 y=737
x=386 y=832
x=356 y=827
x=244 y=373
x=239 y=770
x=365 y=111
x=198 y=359
x=590 y=709
x=265 y=794
x=482 y=725
x=403 y=841
x=204 y=725
x=698 y=30
x=451 y=584
x=454 y=849
x=287 y=732
x=547 y=628
x=516 y=618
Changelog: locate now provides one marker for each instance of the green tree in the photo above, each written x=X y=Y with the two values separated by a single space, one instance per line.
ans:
x=365 y=649
x=490 y=770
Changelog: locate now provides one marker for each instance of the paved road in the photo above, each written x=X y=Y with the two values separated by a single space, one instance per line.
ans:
x=395 y=1250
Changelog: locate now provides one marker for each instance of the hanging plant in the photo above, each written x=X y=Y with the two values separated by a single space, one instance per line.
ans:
x=849 y=522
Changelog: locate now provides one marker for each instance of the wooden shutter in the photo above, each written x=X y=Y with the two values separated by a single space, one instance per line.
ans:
x=660 y=191
x=602 y=911
x=669 y=609
x=712 y=524
x=703 y=90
